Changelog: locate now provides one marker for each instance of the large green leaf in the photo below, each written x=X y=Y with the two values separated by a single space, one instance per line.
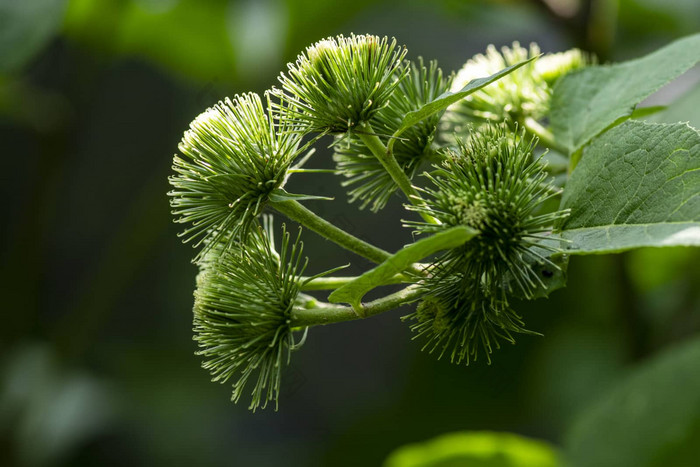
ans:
x=353 y=292
x=586 y=102
x=26 y=26
x=637 y=185
x=651 y=418
x=448 y=98
x=644 y=19
x=475 y=449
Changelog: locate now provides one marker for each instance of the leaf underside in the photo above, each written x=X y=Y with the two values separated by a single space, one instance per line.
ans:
x=650 y=419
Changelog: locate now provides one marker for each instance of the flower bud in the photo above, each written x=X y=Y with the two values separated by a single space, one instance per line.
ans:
x=242 y=313
x=232 y=158
x=339 y=82
x=372 y=184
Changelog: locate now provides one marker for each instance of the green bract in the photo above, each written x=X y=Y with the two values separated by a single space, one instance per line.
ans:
x=373 y=184
x=340 y=82
x=494 y=185
x=242 y=313
x=232 y=158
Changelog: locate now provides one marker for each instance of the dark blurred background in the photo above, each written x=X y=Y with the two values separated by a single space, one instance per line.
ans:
x=97 y=363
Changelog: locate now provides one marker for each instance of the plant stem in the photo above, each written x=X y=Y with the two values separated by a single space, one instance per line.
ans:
x=545 y=136
x=325 y=313
x=331 y=283
x=388 y=160
x=297 y=212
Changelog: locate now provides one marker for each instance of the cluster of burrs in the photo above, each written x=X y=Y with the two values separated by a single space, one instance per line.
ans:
x=236 y=157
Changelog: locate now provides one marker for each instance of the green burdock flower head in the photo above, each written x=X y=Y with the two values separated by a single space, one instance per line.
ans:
x=242 y=313
x=373 y=184
x=523 y=93
x=232 y=158
x=339 y=82
x=494 y=185
x=459 y=319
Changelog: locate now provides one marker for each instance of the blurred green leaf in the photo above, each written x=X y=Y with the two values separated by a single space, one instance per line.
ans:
x=665 y=283
x=353 y=292
x=646 y=17
x=581 y=349
x=41 y=109
x=50 y=409
x=311 y=20
x=476 y=449
x=669 y=265
x=257 y=31
x=684 y=109
x=652 y=418
x=209 y=40
x=26 y=26
x=637 y=185
x=586 y=102
x=188 y=36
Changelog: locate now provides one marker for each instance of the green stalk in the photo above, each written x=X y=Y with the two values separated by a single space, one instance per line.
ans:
x=387 y=159
x=332 y=283
x=297 y=212
x=325 y=313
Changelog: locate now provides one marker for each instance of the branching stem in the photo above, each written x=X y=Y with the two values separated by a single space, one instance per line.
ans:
x=325 y=313
x=388 y=161
x=332 y=283
x=297 y=212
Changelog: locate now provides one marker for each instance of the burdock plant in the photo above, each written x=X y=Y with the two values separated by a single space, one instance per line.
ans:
x=494 y=222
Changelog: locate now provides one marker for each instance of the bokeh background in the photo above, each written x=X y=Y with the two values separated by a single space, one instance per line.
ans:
x=97 y=363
